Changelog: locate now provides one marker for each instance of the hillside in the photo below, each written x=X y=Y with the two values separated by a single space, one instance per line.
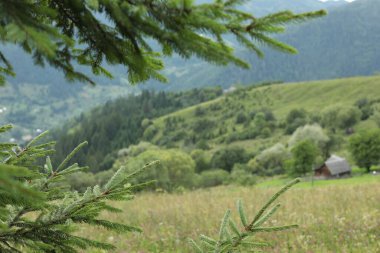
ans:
x=218 y=118
x=121 y=123
x=252 y=118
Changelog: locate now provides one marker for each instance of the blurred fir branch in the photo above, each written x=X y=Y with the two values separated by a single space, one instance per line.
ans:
x=96 y=33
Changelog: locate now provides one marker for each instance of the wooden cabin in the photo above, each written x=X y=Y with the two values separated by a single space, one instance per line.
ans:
x=334 y=167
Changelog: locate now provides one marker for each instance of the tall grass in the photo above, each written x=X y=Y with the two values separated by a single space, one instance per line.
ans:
x=332 y=218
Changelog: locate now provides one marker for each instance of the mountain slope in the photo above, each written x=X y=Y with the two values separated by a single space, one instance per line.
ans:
x=343 y=44
x=250 y=117
x=220 y=117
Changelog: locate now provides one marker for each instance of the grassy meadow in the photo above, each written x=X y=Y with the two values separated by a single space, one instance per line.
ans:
x=334 y=216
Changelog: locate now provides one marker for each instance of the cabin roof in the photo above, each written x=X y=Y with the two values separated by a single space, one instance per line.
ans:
x=337 y=165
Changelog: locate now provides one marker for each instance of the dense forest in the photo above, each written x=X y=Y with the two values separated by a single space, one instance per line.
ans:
x=121 y=123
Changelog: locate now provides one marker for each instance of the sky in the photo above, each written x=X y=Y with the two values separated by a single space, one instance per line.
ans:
x=337 y=0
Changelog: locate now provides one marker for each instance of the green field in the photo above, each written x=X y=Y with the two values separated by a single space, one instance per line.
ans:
x=313 y=96
x=334 y=216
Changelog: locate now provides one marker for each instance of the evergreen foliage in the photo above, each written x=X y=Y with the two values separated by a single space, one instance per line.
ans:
x=37 y=210
x=98 y=32
x=232 y=239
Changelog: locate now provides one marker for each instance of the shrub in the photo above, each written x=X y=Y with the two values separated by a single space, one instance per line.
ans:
x=199 y=111
x=135 y=150
x=269 y=116
x=145 y=123
x=203 y=125
x=241 y=176
x=175 y=169
x=215 y=177
x=108 y=161
x=150 y=132
x=348 y=117
x=295 y=119
x=365 y=106
x=241 y=118
x=270 y=162
x=266 y=132
x=313 y=133
x=202 y=160
x=340 y=117
x=260 y=121
x=202 y=144
x=225 y=158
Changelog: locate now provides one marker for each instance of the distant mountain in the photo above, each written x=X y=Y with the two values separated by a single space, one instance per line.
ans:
x=343 y=44
x=264 y=7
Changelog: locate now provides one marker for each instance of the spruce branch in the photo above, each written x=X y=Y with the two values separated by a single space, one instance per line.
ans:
x=38 y=212
x=68 y=158
x=237 y=239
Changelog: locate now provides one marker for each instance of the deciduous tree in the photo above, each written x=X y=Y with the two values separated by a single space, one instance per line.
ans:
x=365 y=148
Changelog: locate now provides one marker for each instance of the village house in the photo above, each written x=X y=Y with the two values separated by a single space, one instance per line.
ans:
x=334 y=167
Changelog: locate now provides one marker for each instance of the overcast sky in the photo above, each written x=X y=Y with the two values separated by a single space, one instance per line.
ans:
x=337 y=0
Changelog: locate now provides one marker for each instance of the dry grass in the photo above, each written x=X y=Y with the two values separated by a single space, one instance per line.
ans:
x=332 y=218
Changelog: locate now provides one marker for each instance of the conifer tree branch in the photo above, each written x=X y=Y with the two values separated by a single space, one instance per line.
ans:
x=229 y=243
x=67 y=33
x=37 y=190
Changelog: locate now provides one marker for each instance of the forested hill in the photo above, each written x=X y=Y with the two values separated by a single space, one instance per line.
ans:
x=252 y=118
x=42 y=93
x=121 y=123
